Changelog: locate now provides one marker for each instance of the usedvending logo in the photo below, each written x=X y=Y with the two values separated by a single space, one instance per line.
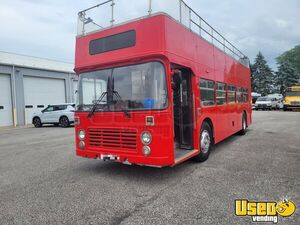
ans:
x=264 y=211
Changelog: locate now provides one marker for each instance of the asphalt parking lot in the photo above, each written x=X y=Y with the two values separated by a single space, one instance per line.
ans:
x=43 y=182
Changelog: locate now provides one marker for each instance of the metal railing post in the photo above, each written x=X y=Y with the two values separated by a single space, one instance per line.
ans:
x=150 y=7
x=82 y=15
x=190 y=19
x=180 y=12
x=200 y=27
x=112 y=12
x=212 y=36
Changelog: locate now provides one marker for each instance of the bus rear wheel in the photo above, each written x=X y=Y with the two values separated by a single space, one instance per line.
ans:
x=244 y=125
x=206 y=142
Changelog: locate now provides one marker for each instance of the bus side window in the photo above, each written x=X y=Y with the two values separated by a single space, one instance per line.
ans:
x=221 y=93
x=207 y=92
x=245 y=95
x=239 y=95
x=231 y=94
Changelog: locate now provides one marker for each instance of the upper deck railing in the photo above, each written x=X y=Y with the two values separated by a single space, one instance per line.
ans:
x=113 y=12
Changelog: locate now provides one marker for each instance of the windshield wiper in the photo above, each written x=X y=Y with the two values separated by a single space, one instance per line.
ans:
x=119 y=98
x=125 y=111
x=91 y=113
x=106 y=93
x=110 y=93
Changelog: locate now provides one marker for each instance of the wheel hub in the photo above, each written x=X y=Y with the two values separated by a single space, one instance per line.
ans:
x=205 y=141
x=244 y=124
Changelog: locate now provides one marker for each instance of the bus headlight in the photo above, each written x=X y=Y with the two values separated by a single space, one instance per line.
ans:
x=146 y=150
x=81 y=135
x=81 y=145
x=146 y=138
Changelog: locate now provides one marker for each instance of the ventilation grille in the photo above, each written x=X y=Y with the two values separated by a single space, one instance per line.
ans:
x=113 y=138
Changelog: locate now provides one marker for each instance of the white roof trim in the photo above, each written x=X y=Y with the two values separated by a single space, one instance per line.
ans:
x=7 y=58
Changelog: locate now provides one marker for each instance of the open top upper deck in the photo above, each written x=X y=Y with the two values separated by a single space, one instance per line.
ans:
x=112 y=13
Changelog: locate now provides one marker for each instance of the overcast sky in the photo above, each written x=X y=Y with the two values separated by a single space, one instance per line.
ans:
x=47 y=28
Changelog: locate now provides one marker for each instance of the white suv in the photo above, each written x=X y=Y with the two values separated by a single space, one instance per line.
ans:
x=62 y=114
x=266 y=103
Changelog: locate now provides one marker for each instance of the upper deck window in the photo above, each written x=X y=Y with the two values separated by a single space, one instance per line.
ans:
x=118 y=41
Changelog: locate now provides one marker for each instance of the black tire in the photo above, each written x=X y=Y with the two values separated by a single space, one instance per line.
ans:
x=243 y=131
x=205 y=135
x=64 y=122
x=36 y=121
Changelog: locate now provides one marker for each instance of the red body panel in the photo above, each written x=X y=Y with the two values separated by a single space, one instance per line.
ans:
x=162 y=38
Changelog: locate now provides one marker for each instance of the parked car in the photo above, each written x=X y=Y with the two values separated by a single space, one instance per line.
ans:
x=254 y=96
x=280 y=104
x=266 y=103
x=279 y=99
x=58 y=114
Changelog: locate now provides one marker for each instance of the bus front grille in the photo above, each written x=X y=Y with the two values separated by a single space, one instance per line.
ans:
x=295 y=103
x=113 y=138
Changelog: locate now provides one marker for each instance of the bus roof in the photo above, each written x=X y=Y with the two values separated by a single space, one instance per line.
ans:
x=108 y=18
x=294 y=88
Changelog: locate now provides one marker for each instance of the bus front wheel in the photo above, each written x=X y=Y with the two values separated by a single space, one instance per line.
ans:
x=206 y=142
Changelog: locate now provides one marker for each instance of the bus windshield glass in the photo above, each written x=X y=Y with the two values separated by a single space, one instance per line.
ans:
x=135 y=87
x=293 y=93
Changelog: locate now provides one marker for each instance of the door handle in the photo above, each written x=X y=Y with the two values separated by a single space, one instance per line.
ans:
x=1 y=107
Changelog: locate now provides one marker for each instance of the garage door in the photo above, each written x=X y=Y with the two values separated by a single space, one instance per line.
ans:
x=40 y=92
x=6 y=118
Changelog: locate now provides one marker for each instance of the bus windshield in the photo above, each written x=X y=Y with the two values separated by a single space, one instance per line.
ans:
x=293 y=93
x=135 y=87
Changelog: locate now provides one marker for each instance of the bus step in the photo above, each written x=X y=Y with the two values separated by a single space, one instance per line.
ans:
x=183 y=155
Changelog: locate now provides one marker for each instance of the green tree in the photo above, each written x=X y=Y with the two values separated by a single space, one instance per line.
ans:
x=262 y=76
x=292 y=57
x=285 y=77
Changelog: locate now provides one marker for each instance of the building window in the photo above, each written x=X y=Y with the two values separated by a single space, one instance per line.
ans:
x=207 y=92
x=220 y=93
x=231 y=94
x=239 y=95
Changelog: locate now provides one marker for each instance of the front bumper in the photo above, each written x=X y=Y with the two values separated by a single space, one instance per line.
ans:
x=128 y=158
x=291 y=106
x=262 y=106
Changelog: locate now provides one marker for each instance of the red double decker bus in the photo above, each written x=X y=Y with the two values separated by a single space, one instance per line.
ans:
x=157 y=90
